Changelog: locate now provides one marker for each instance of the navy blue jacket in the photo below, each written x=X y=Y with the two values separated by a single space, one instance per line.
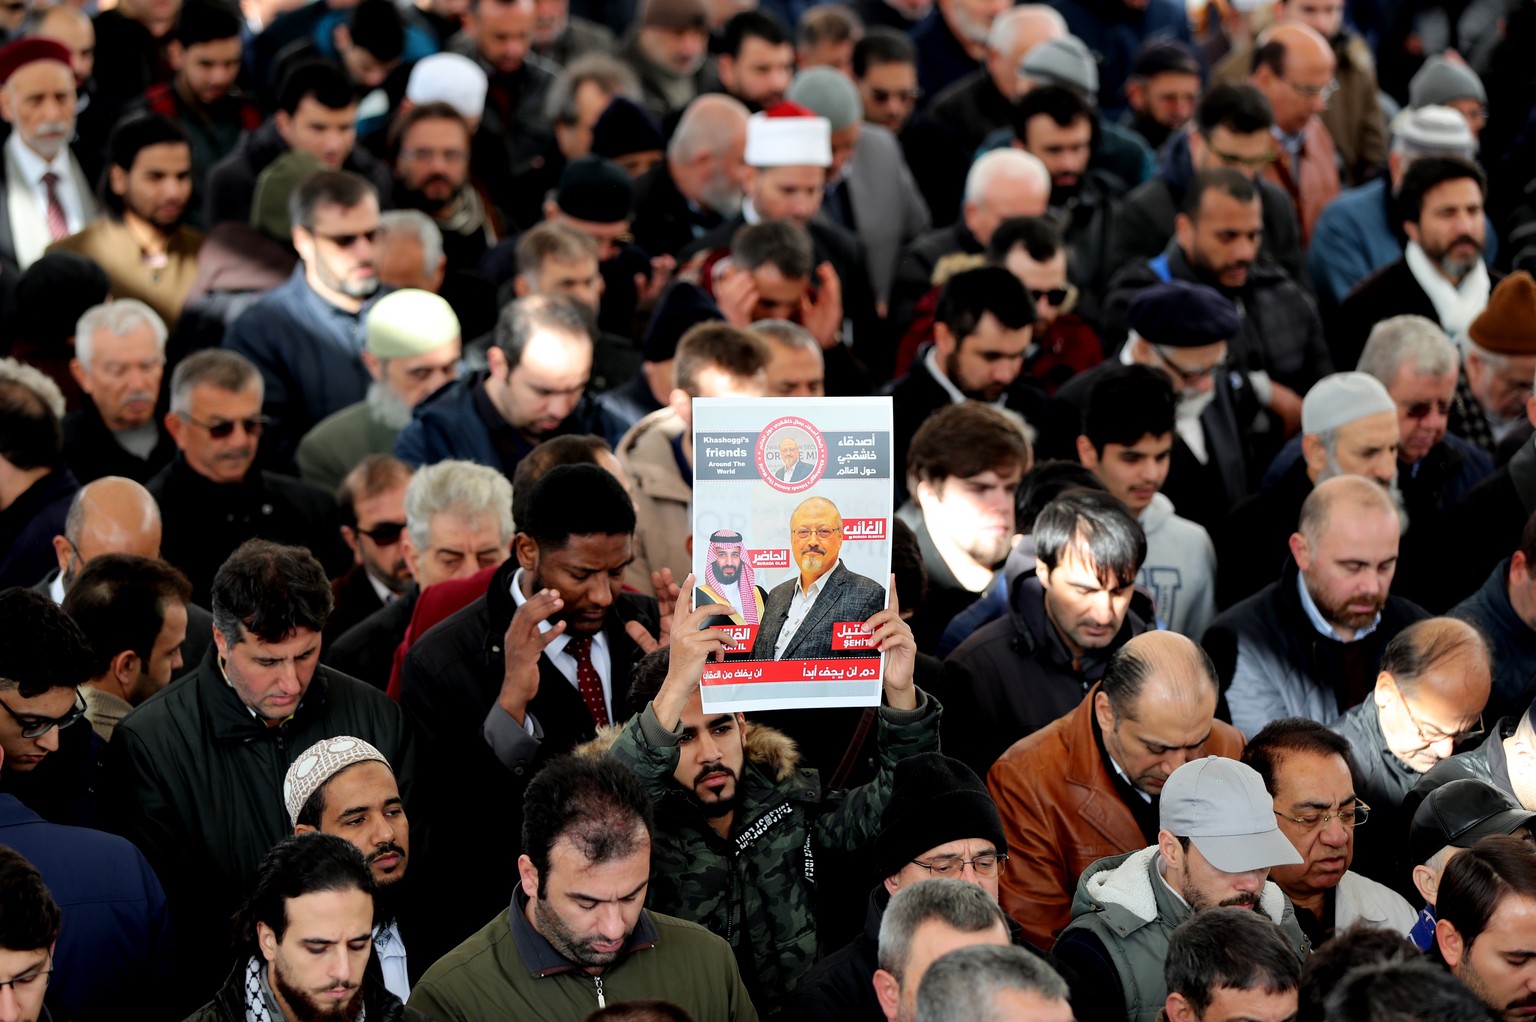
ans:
x=310 y=354
x=1510 y=639
x=115 y=947
x=447 y=425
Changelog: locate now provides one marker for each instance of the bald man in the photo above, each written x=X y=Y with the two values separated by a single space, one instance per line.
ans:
x=1087 y=785
x=1311 y=643
x=114 y=515
x=801 y=612
x=1294 y=68
x=698 y=185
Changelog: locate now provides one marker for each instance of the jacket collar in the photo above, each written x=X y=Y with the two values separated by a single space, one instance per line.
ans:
x=1085 y=769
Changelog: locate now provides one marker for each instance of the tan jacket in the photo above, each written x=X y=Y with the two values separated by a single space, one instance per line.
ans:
x=1061 y=814
x=663 y=498
x=107 y=242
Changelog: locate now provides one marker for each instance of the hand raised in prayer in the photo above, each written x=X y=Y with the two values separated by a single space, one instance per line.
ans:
x=523 y=644
x=649 y=288
x=668 y=592
x=736 y=295
x=691 y=649
x=824 y=316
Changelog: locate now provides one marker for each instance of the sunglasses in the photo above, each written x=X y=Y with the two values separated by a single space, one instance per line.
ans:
x=905 y=95
x=1421 y=409
x=348 y=240
x=1056 y=297
x=385 y=533
x=223 y=429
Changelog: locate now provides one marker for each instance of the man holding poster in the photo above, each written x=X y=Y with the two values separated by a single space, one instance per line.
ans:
x=801 y=612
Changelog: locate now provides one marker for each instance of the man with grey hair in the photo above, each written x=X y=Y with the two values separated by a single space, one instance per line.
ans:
x=1000 y=185
x=923 y=922
x=410 y=251
x=1354 y=236
x=1310 y=644
x=232 y=728
x=870 y=188
x=119 y=363
x=413 y=344
x=699 y=183
x=306 y=337
x=35 y=486
x=458 y=522
x=212 y=497
x=992 y=984
x=1348 y=426
x=533 y=388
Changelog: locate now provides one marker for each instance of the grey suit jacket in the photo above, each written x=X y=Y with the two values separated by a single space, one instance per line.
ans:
x=888 y=210
x=845 y=597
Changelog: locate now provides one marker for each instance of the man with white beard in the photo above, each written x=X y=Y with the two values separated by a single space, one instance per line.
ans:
x=412 y=348
x=1348 y=427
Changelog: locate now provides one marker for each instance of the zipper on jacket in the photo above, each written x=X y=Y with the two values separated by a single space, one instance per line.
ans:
x=599 y=981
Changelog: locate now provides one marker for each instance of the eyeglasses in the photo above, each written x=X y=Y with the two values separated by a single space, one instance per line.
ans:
x=1421 y=409
x=886 y=95
x=1188 y=377
x=25 y=981
x=1245 y=162
x=1056 y=297
x=1437 y=736
x=36 y=727
x=1323 y=92
x=821 y=534
x=348 y=240
x=221 y=429
x=954 y=866
x=453 y=156
x=1348 y=816
x=384 y=533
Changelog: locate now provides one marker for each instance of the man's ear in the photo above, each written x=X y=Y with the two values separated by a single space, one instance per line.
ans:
x=1086 y=454
x=1178 y=1010
x=175 y=53
x=526 y=551
x=1301 y=550
x=125 y=669
x=62 y=550
x=1428 y=884
x=77 y=371
x=888 y=992
x=1449 y=941
x=1103 y=712
x=267 y=941
x=303 y=828
x=529 y=876
x=173 y=424
x=521 y=286
x=1184 y=230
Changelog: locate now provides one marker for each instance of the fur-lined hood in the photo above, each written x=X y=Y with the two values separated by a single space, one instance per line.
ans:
x=769 y=748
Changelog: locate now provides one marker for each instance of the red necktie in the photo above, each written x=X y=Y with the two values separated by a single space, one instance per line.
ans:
x=58 y=224
x=587 y=682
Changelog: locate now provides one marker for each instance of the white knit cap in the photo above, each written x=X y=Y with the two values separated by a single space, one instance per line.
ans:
x=409 y=322
x=318 y=764
x=448 y=78
x=1343 y=398
x=788 y=135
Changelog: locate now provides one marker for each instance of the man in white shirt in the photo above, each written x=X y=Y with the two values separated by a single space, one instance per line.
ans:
x=47 y=195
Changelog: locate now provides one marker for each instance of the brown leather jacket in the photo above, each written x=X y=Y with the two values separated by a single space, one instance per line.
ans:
x=1061 y=814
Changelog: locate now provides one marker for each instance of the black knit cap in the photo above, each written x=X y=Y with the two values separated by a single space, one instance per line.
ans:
x=596 y=190
x=1179 y=314
x=683 y=307
x=934 y=800
x=625 y=127
x=54 y=292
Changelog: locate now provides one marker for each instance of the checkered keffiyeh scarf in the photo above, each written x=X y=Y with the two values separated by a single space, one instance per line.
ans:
x=260 y=1002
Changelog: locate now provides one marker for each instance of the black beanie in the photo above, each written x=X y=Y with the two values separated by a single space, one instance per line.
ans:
x=596 y=190
x=934 y=800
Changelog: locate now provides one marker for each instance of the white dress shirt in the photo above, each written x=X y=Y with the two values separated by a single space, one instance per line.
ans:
x=799 y=606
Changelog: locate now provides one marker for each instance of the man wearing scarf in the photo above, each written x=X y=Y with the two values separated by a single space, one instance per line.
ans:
x=729 y=579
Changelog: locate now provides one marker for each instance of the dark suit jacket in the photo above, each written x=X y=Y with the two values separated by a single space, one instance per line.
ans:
x=798 y=471
x=845 y=597
x=352 y=599
x=1390 y=291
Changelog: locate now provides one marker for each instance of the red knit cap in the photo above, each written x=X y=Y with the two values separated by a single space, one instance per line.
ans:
x=30 y=50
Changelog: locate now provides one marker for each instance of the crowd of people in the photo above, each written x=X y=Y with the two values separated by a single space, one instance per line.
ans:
x=351 y=644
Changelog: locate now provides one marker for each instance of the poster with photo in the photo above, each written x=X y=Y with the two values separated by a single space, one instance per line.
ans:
x=792 y=505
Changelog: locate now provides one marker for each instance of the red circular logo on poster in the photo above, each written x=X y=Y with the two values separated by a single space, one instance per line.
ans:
x=791 y=455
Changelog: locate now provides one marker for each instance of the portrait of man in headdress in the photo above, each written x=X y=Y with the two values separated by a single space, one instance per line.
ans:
x=728 y=579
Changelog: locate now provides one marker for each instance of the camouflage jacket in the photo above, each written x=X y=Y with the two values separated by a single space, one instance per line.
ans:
x=757 y=888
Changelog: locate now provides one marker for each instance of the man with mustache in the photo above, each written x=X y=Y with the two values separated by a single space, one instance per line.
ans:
x=1305 y=768
x=1089 y=783
x=47 y=193
x=346 y=787
x=430 y=157
x=305 y=938
x=802 y=611
x=307 y=335
x=212 y=497
x=140 y=239
x=1442 y=275
x=1310 y=644
x=729 y=579
x=1217 y=842
x=119 y=363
